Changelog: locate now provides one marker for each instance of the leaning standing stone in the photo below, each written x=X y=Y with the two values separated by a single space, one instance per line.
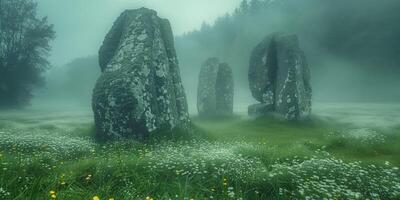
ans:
x=139 y=91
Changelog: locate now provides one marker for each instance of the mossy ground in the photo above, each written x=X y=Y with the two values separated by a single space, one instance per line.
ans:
x=235 y=158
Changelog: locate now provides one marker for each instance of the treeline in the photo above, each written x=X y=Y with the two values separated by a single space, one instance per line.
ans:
x=24 y=47
x=341 y=38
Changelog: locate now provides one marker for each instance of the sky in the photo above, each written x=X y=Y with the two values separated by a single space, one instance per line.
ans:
x=81 y=25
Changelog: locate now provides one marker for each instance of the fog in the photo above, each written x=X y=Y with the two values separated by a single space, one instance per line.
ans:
x=351 y=46
x=100 y=100
x=351 y=49
x=82 y=25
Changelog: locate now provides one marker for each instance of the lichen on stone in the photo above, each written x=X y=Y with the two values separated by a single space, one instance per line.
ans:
x=279 y=76
x=140 y=90
x=215 y=89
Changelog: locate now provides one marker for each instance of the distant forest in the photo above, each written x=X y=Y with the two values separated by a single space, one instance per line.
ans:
x=71 y=84
x=348 y=44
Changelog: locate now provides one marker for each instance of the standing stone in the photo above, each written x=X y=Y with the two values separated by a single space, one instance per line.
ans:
x=215 y=89
x=224 y=90
x=279 y=78
x=139 y=91
x=206 y=94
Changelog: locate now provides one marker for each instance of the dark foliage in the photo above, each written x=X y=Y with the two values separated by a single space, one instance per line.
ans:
x=24 y=46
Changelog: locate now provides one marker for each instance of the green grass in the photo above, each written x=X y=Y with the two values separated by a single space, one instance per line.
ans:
x=231 y=158
x=302 y=138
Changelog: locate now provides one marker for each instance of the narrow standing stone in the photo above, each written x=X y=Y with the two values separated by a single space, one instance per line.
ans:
x=215 y=89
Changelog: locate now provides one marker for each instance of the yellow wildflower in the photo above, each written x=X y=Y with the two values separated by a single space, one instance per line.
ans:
x=52 y=192
x=53 y=196
x=111 y=198
x=96 y=198
x=149 y=198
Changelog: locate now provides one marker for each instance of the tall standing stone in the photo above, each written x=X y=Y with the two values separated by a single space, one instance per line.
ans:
x=139 y=91
x=215 y=89
x=224 y=89
x=279 y=78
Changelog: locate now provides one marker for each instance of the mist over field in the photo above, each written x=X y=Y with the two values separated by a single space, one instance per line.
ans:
x=190 y=99
x=352 y=49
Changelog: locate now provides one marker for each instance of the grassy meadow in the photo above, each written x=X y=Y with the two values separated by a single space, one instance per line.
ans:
x=53 y=156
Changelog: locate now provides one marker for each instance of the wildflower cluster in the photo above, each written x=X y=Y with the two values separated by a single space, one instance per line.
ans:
x=205 y=159
x=63 y=161
x=330 y=178
x=58 y=144
x=3 y=193
x=365 y=136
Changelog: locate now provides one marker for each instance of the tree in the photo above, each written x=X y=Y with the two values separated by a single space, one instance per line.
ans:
x=243 y=8
x=255 y=5
x=24 y=47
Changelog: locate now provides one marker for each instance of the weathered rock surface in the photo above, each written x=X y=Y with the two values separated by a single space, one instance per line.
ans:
x=215 y=89
x=139 y=91
x=260 y=109
x=224 y=89
x=279 y=78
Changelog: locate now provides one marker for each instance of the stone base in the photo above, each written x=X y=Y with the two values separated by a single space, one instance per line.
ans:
x=260 y=109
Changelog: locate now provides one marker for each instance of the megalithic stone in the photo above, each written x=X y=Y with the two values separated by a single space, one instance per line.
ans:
x=279 y=78
x=215 y=89
x=139 y=91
